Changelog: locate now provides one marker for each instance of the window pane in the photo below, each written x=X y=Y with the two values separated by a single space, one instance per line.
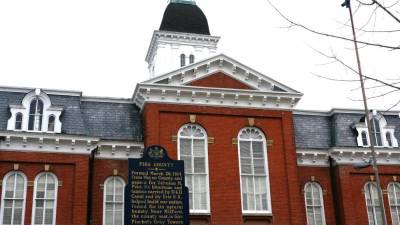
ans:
x=198 y=148
x=314 y=204
x=114 y=195
x=185 y=146
x=45 y=187
x=245 y=149
x=199 y=165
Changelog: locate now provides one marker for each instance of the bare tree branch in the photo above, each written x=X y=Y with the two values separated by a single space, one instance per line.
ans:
x=294 y=24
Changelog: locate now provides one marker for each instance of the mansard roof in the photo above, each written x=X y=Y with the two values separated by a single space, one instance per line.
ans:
x=104 y=118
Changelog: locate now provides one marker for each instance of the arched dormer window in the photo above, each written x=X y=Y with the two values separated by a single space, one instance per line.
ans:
x=376 y=130
x=389 y=139
x=253 y=164
x=382 y=132
x=51 y=123
x=183 y=60
x=192 y=149
x=18 y=121
x=35 y=115
x=191 y=59
x=364 y=138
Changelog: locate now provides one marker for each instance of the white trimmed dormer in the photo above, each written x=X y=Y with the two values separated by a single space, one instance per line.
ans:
x=35 y=114
x=382 y=132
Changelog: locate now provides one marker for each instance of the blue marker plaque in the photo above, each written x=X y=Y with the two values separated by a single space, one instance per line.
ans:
x=156 y=192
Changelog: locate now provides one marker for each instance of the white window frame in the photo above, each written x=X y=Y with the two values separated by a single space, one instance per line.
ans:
x=205 y=138
x=368 y=187
x=396 y=199
x=112 y=179
x=34 y=200
x=24 y=109
x=269 y=210
x=384 y=129
x=4 y=192
x=319 y=188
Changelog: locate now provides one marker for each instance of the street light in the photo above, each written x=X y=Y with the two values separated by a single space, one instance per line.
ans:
x=347 y=4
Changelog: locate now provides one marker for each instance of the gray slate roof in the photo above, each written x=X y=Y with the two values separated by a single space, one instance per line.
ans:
x=323 y=132
x=105 y=119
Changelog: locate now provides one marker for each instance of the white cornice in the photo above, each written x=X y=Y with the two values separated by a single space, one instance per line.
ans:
x=346 y=156
x=47 y=91
x=341 y=111
x=106 y=99
x=69 y=144
x=214 y=96
x=170 y=37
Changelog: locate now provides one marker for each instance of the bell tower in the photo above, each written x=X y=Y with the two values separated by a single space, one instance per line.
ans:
x=182 y=39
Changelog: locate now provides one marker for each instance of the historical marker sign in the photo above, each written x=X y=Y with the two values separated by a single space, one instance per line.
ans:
x=156 y=192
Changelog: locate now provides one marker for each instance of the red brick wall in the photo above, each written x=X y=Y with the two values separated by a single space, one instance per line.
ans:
x=321 y=176
x=223 y=124
x=220 y=80
x=352 y=198
x=71 y=171
x=104 y=168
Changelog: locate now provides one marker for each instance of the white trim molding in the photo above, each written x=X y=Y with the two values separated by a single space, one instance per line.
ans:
x=70 y=144
x=174 y=87
x=346 y=156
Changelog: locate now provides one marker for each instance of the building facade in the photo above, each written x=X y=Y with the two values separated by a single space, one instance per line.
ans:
x=250 y=156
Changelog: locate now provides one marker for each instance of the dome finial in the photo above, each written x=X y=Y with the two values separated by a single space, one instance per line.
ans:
x=191 y=2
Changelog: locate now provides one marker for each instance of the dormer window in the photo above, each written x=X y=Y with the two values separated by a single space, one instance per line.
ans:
x=18 y=121
x=35 y=114
x=191 y=59
x=183 y=60
x=382 y=133
x=376 y=130
x=52 y=120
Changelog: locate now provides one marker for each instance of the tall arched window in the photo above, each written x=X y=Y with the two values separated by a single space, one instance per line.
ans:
x=13 y=199
x=373 y=206
x=113 y=207
x=50 y=126
x=254 y=171
x=18 y=121
x=394 y=202
x=377 y=134
x=183 y=60
x=192 y=147
x=191 y=59
x=35 y=115
x=314 y=204
x=45 y=199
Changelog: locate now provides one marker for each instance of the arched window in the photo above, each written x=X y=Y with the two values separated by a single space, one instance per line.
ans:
x=389 y=139
x=364 y=138
x=113 y=207
x=45 y=199
x=35 y=115
x=253 y=171
x=314 y=204
x=376 y=131
x=394 y=202
x=13 y=199
x=192 y=148
x=191 y=59
x=183 y=60
x=51 y=124
x=373 y=206
x=18 y=121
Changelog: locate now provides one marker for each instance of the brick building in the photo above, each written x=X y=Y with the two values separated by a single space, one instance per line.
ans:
x=250 y=156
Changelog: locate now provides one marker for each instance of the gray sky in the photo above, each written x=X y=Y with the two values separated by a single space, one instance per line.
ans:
x=99 y=47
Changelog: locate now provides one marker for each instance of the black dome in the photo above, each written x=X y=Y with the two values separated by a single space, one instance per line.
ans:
x=187 y=18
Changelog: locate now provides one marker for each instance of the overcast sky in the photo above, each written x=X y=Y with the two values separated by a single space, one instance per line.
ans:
x=98 y=47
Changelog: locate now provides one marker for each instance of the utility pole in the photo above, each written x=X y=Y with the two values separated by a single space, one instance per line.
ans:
x=371 y=137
